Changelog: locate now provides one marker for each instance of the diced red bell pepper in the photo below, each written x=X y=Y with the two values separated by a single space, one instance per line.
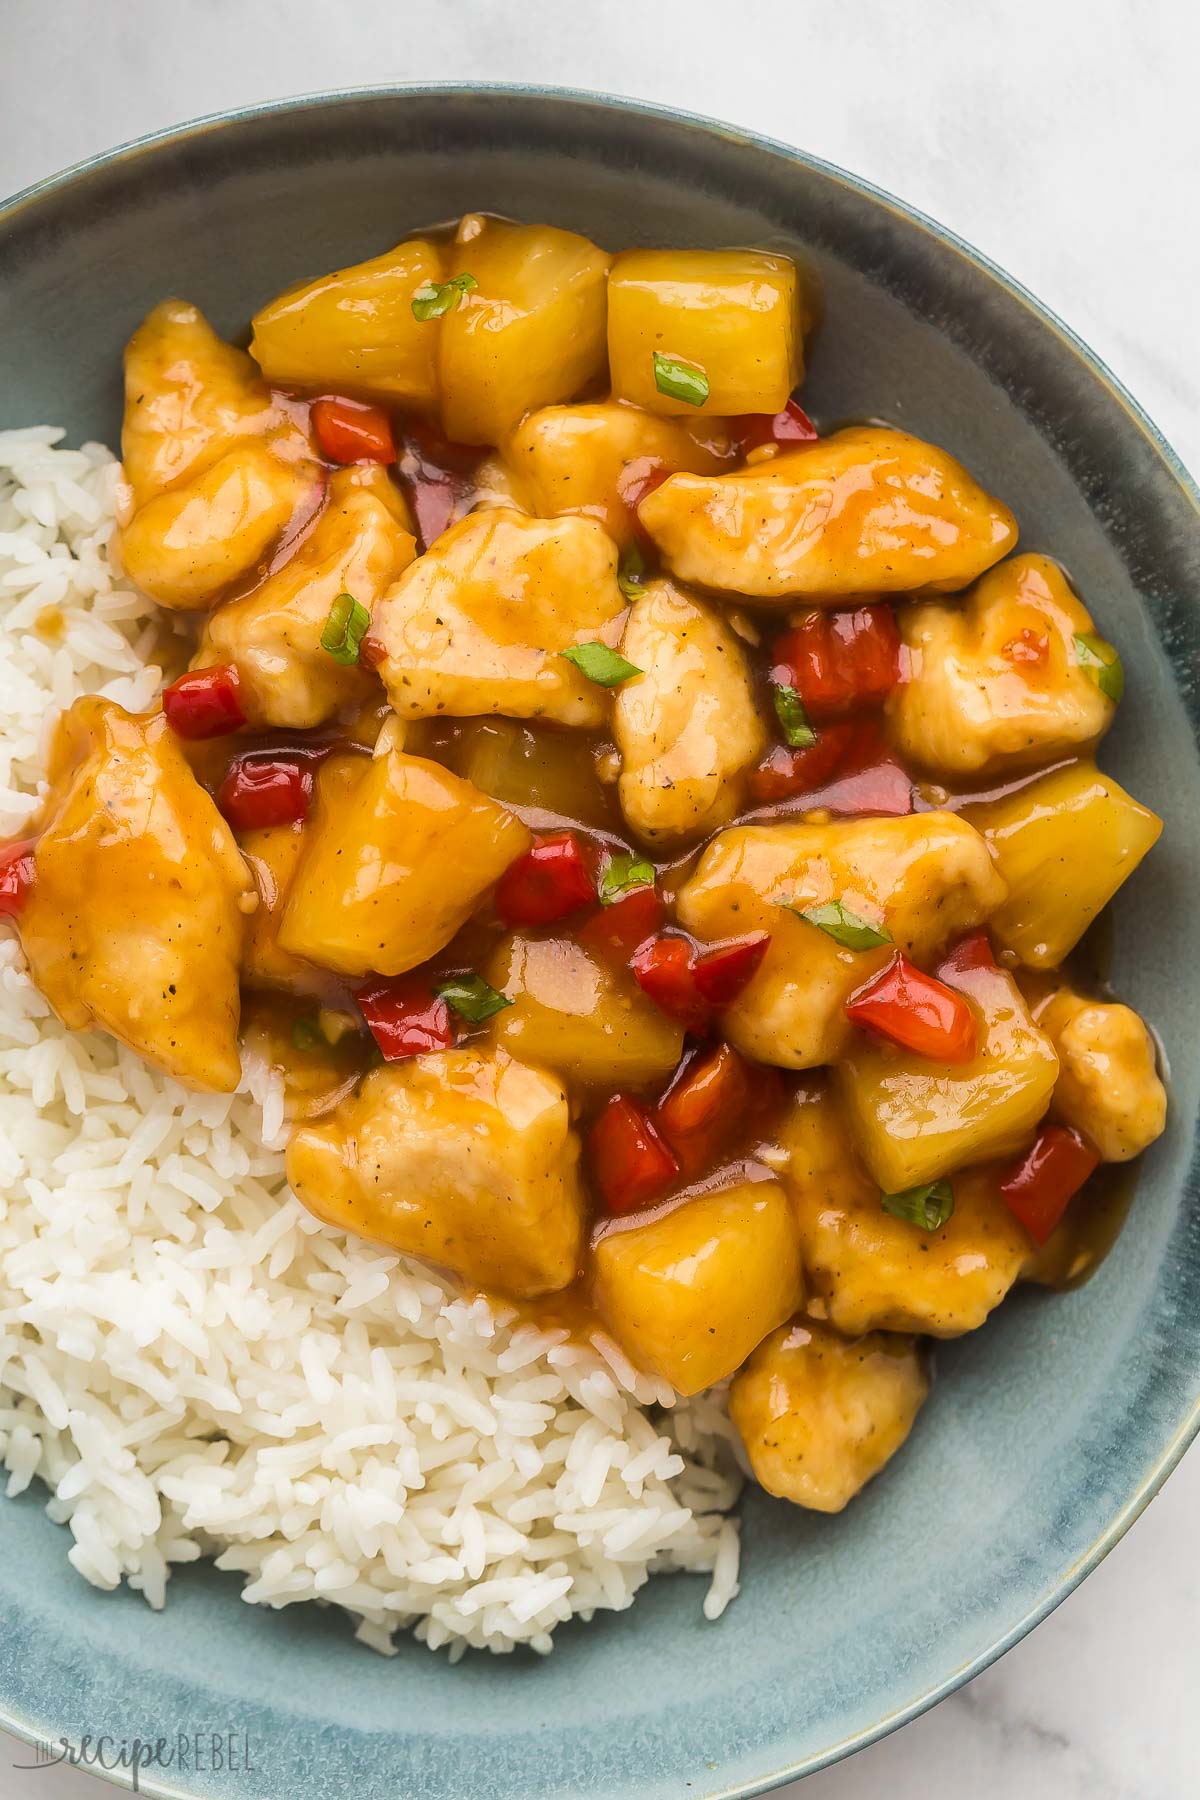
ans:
x=437 y=475
x=840 y=661
x=916 y=1011
x=616 y=931
x=722 y=973
x=1038 y=1187
x=261 y=790
x=664 y=969
x=637 y=479
x=791 y=426
x=405 y=1017
x=348 y=431
x=885 y=790
x=974 y=951
x=17 y=876
x=205 y=703
x=847 y=747
x=549 y=881
x=705 y=1108
x=630 y=1163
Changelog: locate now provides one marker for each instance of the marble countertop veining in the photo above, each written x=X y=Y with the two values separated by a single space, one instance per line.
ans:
x=1060 y=136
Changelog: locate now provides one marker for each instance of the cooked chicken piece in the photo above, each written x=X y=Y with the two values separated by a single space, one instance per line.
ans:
x=1108 y=1087
x=570 y=459
x=573 y=1014
x=190 y=398
x=188 y=547
x=915 y=1121
x=864 y=511
x=735 y=317
x=528 y=331
x=924 y=879
x=477 y=624
x=135 y=919
x=398 y=854
x=354 y=331
x=465 y=1159
x=820 y=1416
x=690 y=1292
x=358 y=546
x=870 y=1271
x=1064 y=845
x=687 y=727
x=996 y=682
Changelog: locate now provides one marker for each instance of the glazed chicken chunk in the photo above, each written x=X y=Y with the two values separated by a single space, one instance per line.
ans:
x=820 y=1414
x=921 y=879
x=479 y=623
x=687 y=725
x=272 y=635
x=135 y=919
x=863 y=511
x=1007 y=677
x=1108 y=1086
x=465 y=1159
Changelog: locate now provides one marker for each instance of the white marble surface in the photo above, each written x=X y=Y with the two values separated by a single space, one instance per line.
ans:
x=1060 y=136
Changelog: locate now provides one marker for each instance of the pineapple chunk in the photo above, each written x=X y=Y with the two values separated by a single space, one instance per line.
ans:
x=398 y=855
x=478 y=624
x=354 y=331
x=915 y=1120
x=863 y=511
x=359 y=545
x=1108 y=1087
x=572 y=1014
x=687 y=726
x=570 y=459
x=925 y=878
x=466 y=1160
x=540 y=767
x=1064 y=845
x=996 y=682
x=273 y=854
x=186 y=547
x=820 y=1416
x=866 y=1269
x=529 y=333
x=689 y=1293
x=737 y=315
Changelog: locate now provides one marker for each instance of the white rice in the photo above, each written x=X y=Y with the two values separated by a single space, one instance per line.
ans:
x=193 y=1366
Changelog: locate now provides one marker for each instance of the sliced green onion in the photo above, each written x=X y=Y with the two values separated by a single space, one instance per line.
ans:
x=845 y=927
x=631 y=575
x=680 y=380
x=345 y=629
x=1101 y=663
x=793 y=720
x=433 y=298
x=307 y=1034
x=929 y=1206
x=605 y=667
x=620 y=874
x=472 y=998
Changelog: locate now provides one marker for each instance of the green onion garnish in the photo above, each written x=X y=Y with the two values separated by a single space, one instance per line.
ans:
x=1101 y=663
x=307 y=1034
x=600 y=664
x=843 y=926
x=471 y=997
x=680 y=380
x=345 y=629
x=433 y=298
x=929 y=1206
x=622 y=873
x=631 y=574
x=793 y=720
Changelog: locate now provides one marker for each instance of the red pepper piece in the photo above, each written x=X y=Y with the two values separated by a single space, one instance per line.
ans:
x=17 y=876
x=721 y=974
x=916 y=1011
x=347 y=431
x=205 y=703
x=617 y=930
x=438 y=478
x=405 y=1017
x=630 y=1163
x=839 y=661
x=845 y=747
x=637 y=479
x=1037 y=1187
x=791 y=426
x=885 y=789
x=665 y=970
x=546 y=883
x=974 y=951
x=261 y=790
x=705 y=1108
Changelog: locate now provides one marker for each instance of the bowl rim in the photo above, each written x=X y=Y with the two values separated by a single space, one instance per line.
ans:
x=133 y=149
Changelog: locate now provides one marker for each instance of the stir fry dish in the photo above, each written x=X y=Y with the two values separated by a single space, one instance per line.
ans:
x=650 y=836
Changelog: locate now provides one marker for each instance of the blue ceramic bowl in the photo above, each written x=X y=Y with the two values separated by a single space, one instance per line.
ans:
x=1049 y=1430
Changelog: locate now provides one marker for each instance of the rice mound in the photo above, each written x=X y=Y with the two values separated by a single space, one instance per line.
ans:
x=194 y=1366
